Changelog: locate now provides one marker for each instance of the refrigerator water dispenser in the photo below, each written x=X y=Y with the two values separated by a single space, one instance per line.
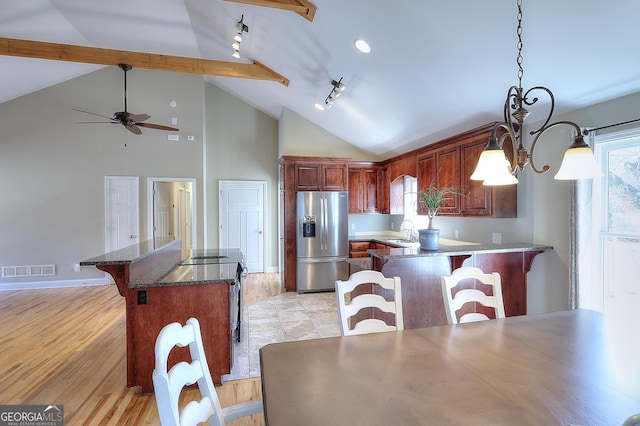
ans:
x=308 y=227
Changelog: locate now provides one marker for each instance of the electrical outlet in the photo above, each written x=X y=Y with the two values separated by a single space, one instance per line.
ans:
x=496 y=238
x=456 y=233
x=142 y=297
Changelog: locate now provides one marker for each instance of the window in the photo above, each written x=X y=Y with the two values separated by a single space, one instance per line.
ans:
x=616 y=224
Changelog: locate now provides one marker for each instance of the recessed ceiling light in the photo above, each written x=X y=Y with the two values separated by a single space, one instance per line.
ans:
x=318 y=106
x=362 y=46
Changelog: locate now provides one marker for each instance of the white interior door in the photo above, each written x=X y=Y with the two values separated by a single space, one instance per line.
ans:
x=121 y=212
x=161 y=210
x=242 y=220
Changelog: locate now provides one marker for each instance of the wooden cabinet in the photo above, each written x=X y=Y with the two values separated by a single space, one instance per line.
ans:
x=450 y=163
x=363 y=189
x=402 y=166
x=481 y=200
x=359 y=248
x=441 y=168
x=321 y=176
x=384 y=189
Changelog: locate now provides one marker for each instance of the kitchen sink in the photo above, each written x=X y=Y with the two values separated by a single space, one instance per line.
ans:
x=402 y=242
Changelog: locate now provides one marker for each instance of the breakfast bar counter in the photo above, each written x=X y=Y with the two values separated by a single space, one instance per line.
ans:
x=420 y=273
x=160 y=287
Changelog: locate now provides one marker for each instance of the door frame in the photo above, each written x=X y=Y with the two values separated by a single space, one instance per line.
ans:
x=194 y=208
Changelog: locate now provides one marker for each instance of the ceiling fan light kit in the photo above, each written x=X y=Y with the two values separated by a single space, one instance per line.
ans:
x=131 y=122
x=493 y=166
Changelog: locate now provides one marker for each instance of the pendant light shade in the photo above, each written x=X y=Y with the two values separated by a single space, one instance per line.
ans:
x=493 y=166
x=578 y=163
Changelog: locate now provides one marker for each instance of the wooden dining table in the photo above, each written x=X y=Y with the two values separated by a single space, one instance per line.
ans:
x=562 y=368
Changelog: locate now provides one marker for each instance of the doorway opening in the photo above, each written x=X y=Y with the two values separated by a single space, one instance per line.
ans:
x=171 y=207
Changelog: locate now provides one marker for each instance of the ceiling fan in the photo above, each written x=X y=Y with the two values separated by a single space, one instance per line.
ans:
x=132 y=122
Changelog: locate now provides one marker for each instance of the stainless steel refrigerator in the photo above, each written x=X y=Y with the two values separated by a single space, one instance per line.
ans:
x=322 y=240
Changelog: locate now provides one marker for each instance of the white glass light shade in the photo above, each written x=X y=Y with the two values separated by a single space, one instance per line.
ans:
x=493 y=169
x=578 y=163
x=238 y=38
x=235 y=45
x=236 y=54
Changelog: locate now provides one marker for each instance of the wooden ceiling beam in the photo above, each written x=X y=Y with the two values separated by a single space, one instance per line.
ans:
x=303 y=8
x=152 y=61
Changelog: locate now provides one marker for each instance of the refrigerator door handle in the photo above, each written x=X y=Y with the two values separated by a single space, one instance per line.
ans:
x=323 y=230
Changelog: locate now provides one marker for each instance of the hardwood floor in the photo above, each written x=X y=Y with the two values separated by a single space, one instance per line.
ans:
x=67 y=346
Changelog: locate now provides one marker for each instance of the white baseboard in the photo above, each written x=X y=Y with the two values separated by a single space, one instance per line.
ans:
x=32 y=285
x=272 y=269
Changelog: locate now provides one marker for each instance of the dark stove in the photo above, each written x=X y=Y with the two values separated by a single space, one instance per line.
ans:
x=224 y=256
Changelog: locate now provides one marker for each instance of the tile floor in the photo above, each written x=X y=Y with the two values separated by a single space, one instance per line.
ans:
x=283 y=318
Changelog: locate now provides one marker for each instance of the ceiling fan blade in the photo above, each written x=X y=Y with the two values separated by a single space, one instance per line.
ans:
x=138 y=117
x=97 y=122
x=134 y=129
x=93 y=113
x=157 y=126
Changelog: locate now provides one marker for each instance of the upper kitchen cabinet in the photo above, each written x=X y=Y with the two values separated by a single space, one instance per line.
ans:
x=481 y=200
x=440 y=168
x=450 y=163
x=363 y=188
x=319 y=173
x=402 y=166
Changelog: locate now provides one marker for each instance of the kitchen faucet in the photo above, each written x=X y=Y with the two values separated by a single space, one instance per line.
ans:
x=408 y=230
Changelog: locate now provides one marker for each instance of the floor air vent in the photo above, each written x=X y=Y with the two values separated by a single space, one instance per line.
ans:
x=28 y=271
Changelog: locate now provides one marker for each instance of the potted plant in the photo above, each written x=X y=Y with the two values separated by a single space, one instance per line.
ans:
x=432 y=198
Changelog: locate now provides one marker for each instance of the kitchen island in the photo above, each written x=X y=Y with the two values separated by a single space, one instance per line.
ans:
x=160 y=287
x=420 y=273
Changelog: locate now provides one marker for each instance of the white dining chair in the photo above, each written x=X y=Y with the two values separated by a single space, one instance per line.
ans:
x=168 y=384
x=357 y=302
x=454 y=302
x=632 y=420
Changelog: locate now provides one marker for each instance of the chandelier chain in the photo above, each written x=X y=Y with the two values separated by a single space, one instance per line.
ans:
x=519 y=45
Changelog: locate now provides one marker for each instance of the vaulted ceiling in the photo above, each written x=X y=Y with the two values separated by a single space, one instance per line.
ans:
x=436 y=67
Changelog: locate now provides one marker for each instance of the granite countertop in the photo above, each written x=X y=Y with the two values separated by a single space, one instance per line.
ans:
x=456 y=250
x=194 y=275
x=130 y=254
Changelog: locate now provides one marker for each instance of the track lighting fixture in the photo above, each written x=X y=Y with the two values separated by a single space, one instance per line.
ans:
x=237 y=39
x=336 y=91
x=493 y=166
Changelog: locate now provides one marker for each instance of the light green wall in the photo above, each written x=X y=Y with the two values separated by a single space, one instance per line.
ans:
x=52 y=208
x=299 y=136
x=242 y=144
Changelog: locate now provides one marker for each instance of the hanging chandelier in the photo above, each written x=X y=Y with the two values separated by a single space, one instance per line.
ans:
x=495 y=168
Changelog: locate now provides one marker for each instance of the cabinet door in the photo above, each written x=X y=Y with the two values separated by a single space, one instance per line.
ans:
x=426 y=176
x=369 y=190
x=404 y=166
x=334 y=177
x=355 y=191
x=441 y=168
x=384 y=188
x=448 y=176
x=308 y=176
x=477 y=199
